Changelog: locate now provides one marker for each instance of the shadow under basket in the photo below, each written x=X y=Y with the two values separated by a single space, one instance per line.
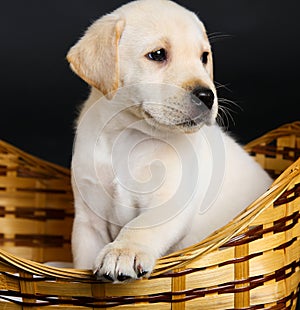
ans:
x=251 y=263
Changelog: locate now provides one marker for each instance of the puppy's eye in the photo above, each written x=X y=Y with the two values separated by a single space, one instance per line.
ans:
x=204 y=58
x=158 y=55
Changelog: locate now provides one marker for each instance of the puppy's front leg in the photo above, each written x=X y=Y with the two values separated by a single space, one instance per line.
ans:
x=143 y=240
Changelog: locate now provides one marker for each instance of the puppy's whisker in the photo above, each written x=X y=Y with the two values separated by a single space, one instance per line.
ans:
x=221 y=86
x=220 y=120
x=226 y=108
x=229 y=115
x=226 y=113
x=227 y=102
x=216 y=36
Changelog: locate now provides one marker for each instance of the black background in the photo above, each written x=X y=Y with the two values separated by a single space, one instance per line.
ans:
x=258 y=60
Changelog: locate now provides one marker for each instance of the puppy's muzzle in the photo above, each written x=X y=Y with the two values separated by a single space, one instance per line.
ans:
x=202 y=95
x=186 y=108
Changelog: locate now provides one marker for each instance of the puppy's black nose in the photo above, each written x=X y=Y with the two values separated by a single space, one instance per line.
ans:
x=205 y=95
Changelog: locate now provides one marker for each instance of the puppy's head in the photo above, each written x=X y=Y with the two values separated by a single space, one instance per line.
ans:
x=163 y=50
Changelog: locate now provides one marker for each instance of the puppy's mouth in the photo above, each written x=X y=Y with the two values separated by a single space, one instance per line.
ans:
x=190 y=123
x=185 y=124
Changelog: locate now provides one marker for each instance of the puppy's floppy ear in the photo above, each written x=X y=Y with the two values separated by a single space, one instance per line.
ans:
x=95 y=56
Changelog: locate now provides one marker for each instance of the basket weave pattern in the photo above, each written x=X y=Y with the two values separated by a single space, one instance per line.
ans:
x=251 y=263
x=36 y=209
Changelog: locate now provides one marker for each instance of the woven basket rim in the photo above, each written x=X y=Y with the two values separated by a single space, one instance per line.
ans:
x=34 y=160
x=286 y=129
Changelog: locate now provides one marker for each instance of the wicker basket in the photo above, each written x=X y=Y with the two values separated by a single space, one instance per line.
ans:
x=251 y=263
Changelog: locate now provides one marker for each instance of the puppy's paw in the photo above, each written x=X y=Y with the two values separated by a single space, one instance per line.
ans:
x=121 y=262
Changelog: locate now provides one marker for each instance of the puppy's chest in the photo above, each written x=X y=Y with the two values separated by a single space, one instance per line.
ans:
x=137 y=162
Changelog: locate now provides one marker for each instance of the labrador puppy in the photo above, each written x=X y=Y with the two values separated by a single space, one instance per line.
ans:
x=151 y=171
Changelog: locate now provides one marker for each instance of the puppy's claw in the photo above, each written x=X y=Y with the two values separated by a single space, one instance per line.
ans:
x=142 y=273
x=123 y=277
x=96 y=274
x=108 y=277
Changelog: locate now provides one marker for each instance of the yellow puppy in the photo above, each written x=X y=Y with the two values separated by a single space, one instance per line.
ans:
x=152 y=172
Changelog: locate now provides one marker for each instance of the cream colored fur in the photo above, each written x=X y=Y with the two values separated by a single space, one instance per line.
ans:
x=183 y=180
